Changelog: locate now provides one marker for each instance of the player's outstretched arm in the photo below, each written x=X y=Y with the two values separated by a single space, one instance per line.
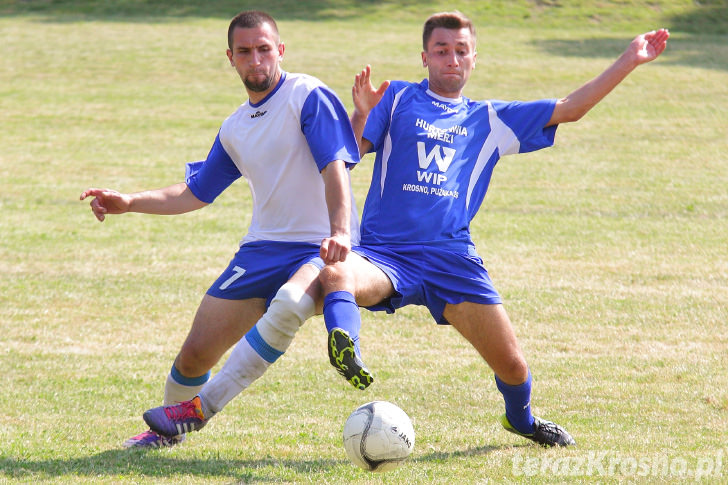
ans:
x=644 y=48
x=365 y=97
x=175 y=199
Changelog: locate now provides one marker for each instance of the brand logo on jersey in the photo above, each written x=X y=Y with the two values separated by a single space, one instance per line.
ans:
x=258 y=114
x=444 y=107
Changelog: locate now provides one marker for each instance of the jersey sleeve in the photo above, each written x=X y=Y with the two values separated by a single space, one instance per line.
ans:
x=326 y=126
x=380 y=116
x=528 y=122
x=208 y=179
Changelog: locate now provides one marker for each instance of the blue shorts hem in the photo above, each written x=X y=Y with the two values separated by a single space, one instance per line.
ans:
x=430 y=276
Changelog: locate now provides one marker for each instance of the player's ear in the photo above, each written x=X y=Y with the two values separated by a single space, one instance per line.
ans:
x=230 y=57
x=281 y=50
x=424 y=59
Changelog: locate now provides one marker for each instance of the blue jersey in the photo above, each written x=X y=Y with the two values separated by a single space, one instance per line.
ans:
x=434 y=160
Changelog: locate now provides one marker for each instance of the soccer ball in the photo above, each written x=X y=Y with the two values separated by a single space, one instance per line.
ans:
x=378 y=436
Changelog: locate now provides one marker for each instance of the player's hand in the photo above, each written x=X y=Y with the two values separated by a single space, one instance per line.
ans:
x=646 y=47
x=363 y=93
x=106 y=201
x=335 y=249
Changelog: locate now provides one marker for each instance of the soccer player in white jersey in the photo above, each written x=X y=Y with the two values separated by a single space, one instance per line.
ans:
x=292 y=136
x=435 y=153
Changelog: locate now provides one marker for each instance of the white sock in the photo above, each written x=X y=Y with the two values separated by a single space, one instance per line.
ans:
x=174 y=392
x=240 y=370
x=276 y=328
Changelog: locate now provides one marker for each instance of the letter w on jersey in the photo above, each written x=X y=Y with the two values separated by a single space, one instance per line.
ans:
x=443 y=156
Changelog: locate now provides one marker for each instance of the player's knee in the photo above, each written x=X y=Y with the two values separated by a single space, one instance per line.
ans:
x=285 y=315
x=335 y=277
x=292 y=303
x=194 y=360
x=513 y=369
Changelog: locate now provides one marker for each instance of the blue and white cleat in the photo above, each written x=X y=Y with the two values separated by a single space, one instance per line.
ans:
x=176 y=419
x=150 y=439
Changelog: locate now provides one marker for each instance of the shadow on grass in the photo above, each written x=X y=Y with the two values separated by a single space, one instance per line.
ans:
x=702 y=51
x=154 y=463
x=710 y=18
x=168 y=10
x=446 y=455
x=706 y=17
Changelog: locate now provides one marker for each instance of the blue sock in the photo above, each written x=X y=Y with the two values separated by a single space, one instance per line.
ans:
x=341 y=311
x=518 y=404
x=189 y=381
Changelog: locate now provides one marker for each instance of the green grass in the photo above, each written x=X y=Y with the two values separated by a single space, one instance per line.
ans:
x=706 y=16
x=609 y=249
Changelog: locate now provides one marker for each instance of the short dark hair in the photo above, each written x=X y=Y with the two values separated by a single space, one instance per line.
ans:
x=447 y=20
x=247 y=20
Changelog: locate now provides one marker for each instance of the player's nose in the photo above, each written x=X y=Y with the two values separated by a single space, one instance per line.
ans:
x=452 y=61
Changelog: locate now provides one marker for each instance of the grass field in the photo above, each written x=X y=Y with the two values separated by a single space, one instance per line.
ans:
x=610 y=249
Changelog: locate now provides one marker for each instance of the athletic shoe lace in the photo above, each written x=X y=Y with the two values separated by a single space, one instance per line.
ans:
x=182 y=411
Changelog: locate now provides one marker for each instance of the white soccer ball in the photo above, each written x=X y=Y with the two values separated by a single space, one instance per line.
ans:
x=378 y=436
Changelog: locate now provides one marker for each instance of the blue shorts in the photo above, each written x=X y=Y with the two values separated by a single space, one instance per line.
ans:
x=430 y=276
x=260 y=268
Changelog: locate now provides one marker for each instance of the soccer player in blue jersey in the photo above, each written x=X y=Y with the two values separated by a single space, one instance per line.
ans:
x=435 y=153
x=292 y=136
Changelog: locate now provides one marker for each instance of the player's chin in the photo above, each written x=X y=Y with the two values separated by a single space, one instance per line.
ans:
x=454 y=82
x=258 y=82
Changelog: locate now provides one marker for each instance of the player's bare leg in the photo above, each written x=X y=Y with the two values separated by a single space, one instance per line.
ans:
x=294 y=302
x=489 y=330
x=217 y=326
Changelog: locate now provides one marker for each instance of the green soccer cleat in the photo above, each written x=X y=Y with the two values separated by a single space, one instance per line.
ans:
x=545 y=433
x=343 y=356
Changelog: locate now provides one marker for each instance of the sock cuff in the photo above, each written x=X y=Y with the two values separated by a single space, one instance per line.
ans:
x=268 y=353
x=339 y=296
x=502 y=385
x=188 y=381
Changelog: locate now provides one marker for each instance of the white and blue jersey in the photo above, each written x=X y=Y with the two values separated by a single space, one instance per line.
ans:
x=434 y=160
x=279 y=145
